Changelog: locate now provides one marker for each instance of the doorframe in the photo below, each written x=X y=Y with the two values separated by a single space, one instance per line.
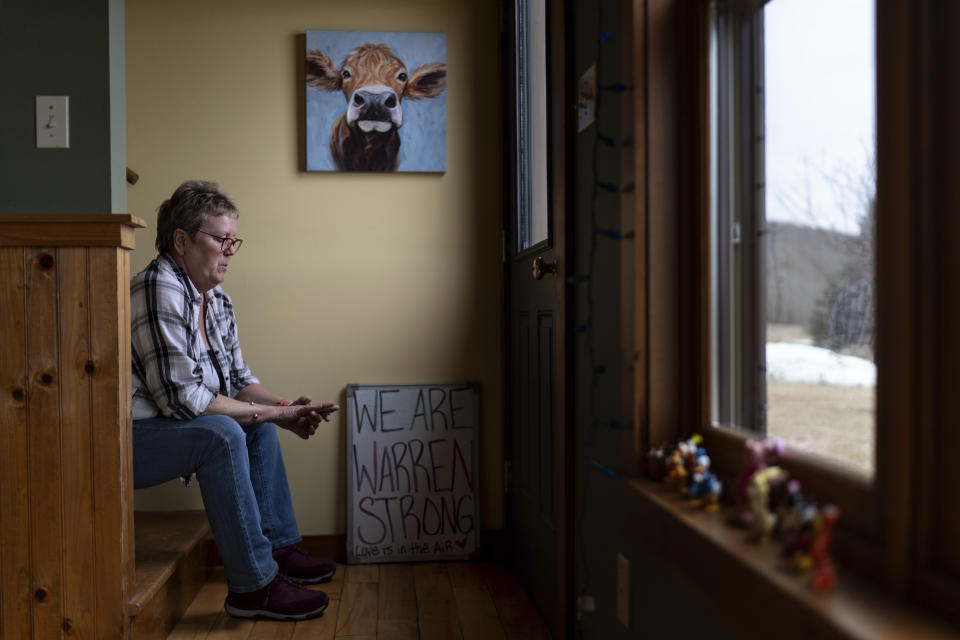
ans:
x=560 y=186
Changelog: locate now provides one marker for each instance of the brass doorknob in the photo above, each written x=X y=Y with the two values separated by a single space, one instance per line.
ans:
x=540 y=267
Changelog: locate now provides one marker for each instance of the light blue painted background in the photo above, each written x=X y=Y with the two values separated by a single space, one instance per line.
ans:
x=423 y=136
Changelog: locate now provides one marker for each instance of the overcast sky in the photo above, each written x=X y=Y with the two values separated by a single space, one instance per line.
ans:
x=820 y=108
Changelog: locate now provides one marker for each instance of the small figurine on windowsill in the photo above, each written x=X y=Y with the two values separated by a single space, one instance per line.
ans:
x=824 y=575
x=763 y=519
x=763 y=453
x=657 y=460
x=796 y=515
x=704 y=488
x=679 y=463
x=676 y=475
x=690 y=449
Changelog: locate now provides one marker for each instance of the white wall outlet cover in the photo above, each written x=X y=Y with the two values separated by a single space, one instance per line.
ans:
x=623 y=590
x=53 y=122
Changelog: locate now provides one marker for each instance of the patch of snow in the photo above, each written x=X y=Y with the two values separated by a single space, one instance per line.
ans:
x=788 y=362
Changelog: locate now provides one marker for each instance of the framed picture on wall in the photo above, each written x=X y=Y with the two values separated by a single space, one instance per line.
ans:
x=376 y=101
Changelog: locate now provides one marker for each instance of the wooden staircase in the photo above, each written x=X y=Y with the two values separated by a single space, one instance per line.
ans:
x=75 y=562
x=172 y=565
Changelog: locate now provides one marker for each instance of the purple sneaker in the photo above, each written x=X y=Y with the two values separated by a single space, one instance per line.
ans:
x=282 y=599
x=303 y=568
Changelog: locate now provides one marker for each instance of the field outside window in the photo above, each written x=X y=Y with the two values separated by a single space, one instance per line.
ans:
x=793 y=192
x=819 y=201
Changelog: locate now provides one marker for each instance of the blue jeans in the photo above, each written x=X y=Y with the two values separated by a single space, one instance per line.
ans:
x=242 y=481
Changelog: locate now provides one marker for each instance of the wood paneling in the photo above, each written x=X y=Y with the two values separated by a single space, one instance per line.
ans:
x=947 y=127
x=935 y=98
x=16 y=601
x=112 y=453
x=79 y=546
x=641 y=349
x=662 y=250
x=43 y=440
x=66 y=533
x=895 y=351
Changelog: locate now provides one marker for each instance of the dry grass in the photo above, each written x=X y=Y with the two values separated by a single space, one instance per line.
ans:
x=788 y=333
x=834 y=422
x=831 y=421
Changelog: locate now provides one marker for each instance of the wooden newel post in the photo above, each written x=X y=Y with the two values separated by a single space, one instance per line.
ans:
x=66 y=482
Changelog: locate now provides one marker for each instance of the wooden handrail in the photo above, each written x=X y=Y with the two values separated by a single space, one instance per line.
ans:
x=69 y=230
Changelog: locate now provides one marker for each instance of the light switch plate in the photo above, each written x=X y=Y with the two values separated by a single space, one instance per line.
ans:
x=53 y=122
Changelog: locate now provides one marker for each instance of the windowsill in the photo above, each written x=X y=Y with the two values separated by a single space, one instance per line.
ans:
x=709 y=552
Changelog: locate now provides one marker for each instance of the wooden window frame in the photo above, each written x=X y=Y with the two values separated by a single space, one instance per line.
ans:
x=736 y=209
x=857 y=539
x=892 y=525
x=826 y=480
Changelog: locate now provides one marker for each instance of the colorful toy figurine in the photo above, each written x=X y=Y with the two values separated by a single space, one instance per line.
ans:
x=763 y=453
x=686 y=466
x=676 y=470
x=763 y=519
x=796 y=515
x=824 y=575
x=657 y=459
x=704 y=487
x=690 y=449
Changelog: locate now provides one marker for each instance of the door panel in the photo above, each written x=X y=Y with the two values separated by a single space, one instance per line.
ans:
x=540 y=387
x=546 y=377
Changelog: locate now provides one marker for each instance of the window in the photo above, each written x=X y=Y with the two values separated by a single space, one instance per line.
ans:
x=792 y=193
x=531 y=128
x=900 y=521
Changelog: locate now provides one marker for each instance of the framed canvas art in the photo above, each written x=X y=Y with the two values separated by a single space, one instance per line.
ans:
x=376 y=101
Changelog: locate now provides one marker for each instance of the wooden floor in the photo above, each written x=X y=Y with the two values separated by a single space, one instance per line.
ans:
x=436 y=601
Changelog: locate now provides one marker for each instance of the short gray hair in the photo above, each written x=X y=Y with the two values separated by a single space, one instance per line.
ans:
x=189 y=208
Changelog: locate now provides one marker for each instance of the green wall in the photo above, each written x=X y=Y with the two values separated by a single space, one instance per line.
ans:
x=63 y=48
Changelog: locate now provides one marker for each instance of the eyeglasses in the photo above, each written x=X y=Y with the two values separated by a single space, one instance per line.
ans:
x=225 y=243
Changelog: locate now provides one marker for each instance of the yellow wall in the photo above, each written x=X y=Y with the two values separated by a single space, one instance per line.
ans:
x=343 y=278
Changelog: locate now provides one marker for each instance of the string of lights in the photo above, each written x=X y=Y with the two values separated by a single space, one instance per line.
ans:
x=601 y=190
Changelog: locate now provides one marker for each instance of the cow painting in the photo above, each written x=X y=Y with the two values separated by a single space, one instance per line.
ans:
x=376 y=85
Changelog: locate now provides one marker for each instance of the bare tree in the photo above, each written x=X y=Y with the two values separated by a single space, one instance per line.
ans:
x=844 y=319
x=819 y=272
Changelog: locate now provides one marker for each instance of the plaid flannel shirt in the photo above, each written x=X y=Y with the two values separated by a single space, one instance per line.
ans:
x=173 y=374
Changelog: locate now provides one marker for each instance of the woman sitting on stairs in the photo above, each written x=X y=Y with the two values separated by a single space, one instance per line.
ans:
x=197 y=409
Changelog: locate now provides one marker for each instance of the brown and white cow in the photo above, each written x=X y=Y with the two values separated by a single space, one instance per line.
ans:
x=374 y=81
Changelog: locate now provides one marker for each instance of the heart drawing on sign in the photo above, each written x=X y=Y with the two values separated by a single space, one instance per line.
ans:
x=461 y=543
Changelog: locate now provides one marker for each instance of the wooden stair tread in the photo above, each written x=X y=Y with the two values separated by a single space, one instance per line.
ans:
x=162 y=540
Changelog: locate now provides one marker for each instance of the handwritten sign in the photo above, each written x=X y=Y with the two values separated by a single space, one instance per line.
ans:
x=412 y=472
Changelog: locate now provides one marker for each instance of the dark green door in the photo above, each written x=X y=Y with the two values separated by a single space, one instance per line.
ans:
x=541 y=473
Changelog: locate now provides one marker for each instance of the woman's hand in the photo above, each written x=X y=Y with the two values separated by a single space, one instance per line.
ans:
x=302 y=417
